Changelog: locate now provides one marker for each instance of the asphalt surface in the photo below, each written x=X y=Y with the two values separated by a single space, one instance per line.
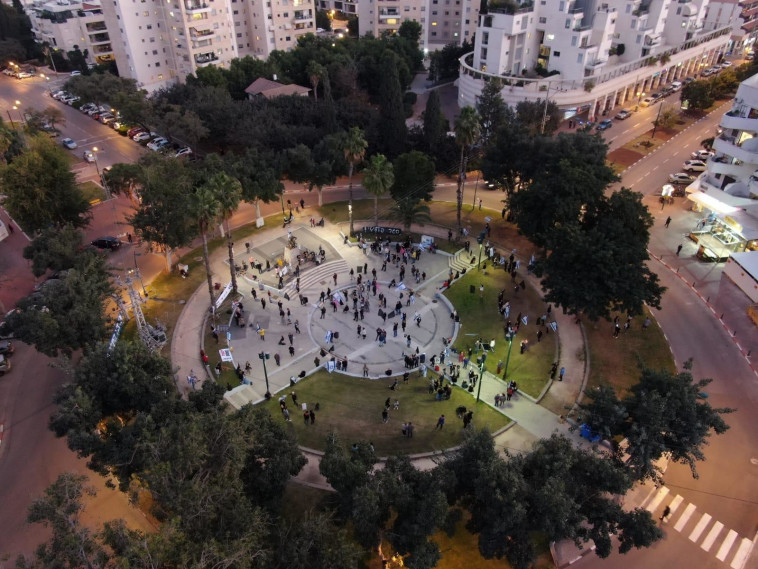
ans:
x=728 y=484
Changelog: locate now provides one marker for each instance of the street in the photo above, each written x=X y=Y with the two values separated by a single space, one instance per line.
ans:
x=727 y=489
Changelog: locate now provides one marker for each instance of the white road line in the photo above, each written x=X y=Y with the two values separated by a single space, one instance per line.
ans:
x=654 y=169
x=686 y=515
x=738 y=561
x=655 y=502
x=712 y=535
x=726 y=545
x=675 y=503
x=704 y=521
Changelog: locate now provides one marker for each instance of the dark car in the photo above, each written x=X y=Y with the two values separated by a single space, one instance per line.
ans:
x=106 y=243
x=604 y=124
x=6 y=348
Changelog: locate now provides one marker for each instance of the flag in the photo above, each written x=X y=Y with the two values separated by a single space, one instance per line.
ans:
x=401 y=286
x=524 y=319
x=531 y=259
x=554 y=326
x=330 y=365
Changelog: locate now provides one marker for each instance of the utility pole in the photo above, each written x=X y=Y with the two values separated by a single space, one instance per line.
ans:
x=544 y=111
x=655 y=124
x=263 y=356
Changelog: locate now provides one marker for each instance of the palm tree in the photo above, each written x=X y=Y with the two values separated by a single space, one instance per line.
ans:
x=378 y=178
x=410 y=210
x=354 y=148
x=207 y=210
x=228 y=193
x=466 y=133
x=315 y=72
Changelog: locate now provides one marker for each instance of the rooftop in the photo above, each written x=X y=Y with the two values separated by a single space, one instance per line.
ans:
x=270 y=89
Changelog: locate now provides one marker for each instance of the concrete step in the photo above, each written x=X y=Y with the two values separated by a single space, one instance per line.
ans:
x=312 y=278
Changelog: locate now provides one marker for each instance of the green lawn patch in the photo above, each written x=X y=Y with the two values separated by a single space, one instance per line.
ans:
x=92 y=192
x=479 y=318
x=337 y=212
x=352 y=407
x=616 y=361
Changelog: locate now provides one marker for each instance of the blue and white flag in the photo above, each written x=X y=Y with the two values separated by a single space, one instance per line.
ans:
x=554 y=326
x=330 y=366
x=524 y=319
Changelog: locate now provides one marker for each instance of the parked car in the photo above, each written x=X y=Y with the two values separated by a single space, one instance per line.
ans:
x=107 y=242
x=5 y=365
x=726 y=64
x=623 y=114
x=681 y=178
x=85 y=108
x=694 y=166
x=676 y=85
x=186 y=151
x=134 y=131
x=688 y=80
x=69 y=143
x=24 y=75
x=106 y=118
x=647 y=101
x=657 y=96
x=142 y=137
x=702 y=154
x=604 y=124
x=157 y=144
x=749 y=56
x=75 y=73
x=6 y=348
x=89 y=156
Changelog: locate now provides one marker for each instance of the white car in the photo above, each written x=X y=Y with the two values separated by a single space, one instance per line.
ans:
x=623 y=114
x=694 y=166
x=142 y=137
x=681 y=178
x=726 y=64
x=702 y=155
x=186 y=151
x=647 y=101
x=89 y=156
x=157 y=144
x=75 y=73
x=69 y=143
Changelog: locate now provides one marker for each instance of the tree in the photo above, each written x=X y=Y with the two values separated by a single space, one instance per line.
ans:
x=392 y=130
x=72 y=545
x=435 y=123
x=315 y=72
x=259 y=174
x=599 y=265
x=315 y=543
x=410 y=30
x=445 y=63
x=55 y=248
x=466 y=134
x=378 y=178
x=507 y=157
x=414 y=177
x=162 y=215
x=667 y=118
x=323 y=20
x=65 y=314
x=537 y=119
x=492 y=110
x=41 y=189
x=346 y=470
x=206 y=209
x=698 y=95
x=354 y=149
x=410 y=210
x=664 y=413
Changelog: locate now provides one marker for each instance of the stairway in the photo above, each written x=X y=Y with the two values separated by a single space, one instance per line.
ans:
x=312 y=279
x=461 y=261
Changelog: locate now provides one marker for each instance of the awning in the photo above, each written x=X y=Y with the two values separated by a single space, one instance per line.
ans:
x=712 y=203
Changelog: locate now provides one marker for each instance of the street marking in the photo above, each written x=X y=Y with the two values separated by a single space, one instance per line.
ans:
x=686 y=515
x=674 y=505
x=711 y=537
x=727 y=545
x=738 y=561
x=704 y=521
x=662 y=493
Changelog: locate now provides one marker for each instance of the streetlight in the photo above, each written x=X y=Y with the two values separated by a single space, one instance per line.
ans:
x=350 y=213
x=95 y=150
x=263 y=356
x=657 y=119
x=481 y=375
x=47 y=78
x=509 y=337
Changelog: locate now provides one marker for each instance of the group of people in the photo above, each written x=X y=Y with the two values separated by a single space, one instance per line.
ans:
x=501 y=398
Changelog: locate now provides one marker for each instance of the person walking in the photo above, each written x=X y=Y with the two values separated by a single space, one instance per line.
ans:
x=561 y=374
x=297 y=326
x=262 y=334
x=365 y=370
x=385 y=415
x=553 y=370
x=480 y=204
x=313 y=417
x=334 y=276
x=306 y=416
x=292 y=351
x=678 y=249
x=665 y=514
x=291 y=338
x=294 y=398
x=440 y=423
x=668 y=222
x=286 y=414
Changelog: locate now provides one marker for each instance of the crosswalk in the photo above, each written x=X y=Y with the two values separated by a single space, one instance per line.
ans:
x=700 y=528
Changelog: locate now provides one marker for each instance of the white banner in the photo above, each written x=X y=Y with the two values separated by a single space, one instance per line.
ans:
x=226 y=355
x=224 y=293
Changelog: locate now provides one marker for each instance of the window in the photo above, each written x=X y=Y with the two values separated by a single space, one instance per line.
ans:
x=556 y=54
x=561 y=6
x=157 y=63
x=568 y=23
x=543 y=20
x=573 y=41
x=155 y=52
x=639 y=39
x=628 y=8
x=239 y=34
x=149 y=27
x=634 y=24
x=579 y=58
x=485 y=38
x=146 y=13
x=483 y=54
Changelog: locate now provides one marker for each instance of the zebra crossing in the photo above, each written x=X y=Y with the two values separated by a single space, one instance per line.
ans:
x=700 y=528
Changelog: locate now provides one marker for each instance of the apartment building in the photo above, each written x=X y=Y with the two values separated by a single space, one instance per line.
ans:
x=742 y=15
x=346 y=6
x=588 y=54
x=442 y=21
x=263 y=26
x=64 y=24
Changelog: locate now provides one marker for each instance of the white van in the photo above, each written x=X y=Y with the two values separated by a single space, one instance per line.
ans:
x=676 y=85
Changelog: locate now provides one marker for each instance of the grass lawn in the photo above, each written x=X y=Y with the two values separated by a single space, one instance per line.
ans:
x=616 y=361
x=352 y=407
x=363 y=210
x=479 y=318
x=92 y=192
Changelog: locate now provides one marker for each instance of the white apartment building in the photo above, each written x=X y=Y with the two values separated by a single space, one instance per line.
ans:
x=64 y=24
x=727 y=192
x=597 y=54
x=346 y=6
x=263 y=26
x=742 y=15
x=442 y=21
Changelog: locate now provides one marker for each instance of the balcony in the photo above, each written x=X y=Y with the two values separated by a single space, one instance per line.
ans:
x=303 y=15
x=595 y=64
x=202 y=59
x=389 y=14
x=208 y=42
x=196 y=7
x=195 y=33
x=739 y=122
x=728 y=145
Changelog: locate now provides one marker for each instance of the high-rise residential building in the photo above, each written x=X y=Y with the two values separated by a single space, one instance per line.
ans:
x=588 y=55
x=66 y=24
x=742 y=15
x=346 y=6
x=442 y=21
x=263 y=26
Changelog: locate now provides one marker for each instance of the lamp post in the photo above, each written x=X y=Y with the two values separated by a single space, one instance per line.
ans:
x=640 y=94
x=657 y=119
x=350 y=213
x=281 y=197
x=509 y=337
x=481 y=375
x=263 y=356
x=476 y=186
x=95 y=150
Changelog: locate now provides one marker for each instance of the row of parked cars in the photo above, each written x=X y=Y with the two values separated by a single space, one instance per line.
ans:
x=110 y=117
x=695 y=165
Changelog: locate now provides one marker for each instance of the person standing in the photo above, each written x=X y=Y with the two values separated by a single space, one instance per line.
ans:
x=440 y=423
x=385 y=415
x=668 y=222
x=291 y=338
x=313 y=417
x=678 y=249
x=286 y=414
x=553 y=370
x=480 y=204
x=365 y=370
x=409 y=430
x=292 y=351
x=561 y=374
x=306 y=416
